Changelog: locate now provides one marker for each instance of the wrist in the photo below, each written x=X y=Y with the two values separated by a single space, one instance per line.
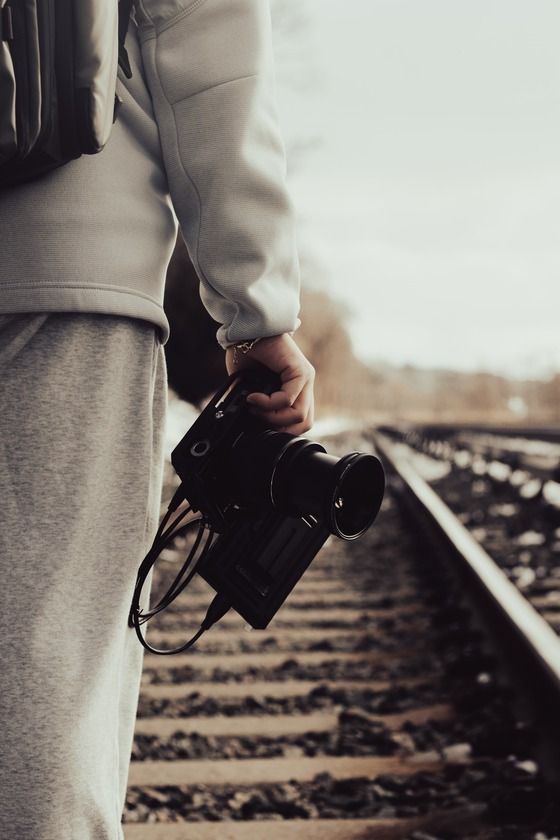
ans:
x=242 y=347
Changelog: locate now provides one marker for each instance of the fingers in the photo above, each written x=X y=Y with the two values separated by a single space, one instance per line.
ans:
x=284 y=418
x=290 y=408
x=293 y=383
x=300 y=427
x=290 y=415
x=272 y=402
x=294 y=419
x=292 y=387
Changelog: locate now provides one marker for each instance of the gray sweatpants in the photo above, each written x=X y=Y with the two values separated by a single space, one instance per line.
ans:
x=82 y=406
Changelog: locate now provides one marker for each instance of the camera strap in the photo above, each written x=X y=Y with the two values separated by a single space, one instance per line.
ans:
x=165 y=536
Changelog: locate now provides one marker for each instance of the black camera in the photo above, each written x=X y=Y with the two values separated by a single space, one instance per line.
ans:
x=268 y=501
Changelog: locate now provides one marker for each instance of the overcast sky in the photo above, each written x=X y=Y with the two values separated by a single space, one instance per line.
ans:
x=432 y=202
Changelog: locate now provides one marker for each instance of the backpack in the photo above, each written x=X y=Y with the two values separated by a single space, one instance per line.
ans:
x=58 y=72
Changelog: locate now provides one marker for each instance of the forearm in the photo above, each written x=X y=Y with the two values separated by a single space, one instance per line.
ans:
x=209 y=69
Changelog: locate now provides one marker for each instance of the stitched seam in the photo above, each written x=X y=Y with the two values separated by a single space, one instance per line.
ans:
x=192 y=183
x=13 y=284
x=211 y=87
x=189 y=10
x=141 y=6
x=199 y=231
x=183 y=13
x=151 y=33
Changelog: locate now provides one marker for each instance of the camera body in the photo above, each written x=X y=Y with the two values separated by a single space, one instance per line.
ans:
x=257 y=563
x=203 y=458
x=272 y=498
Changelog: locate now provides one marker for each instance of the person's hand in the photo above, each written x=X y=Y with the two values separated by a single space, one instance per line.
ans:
x=291 y=409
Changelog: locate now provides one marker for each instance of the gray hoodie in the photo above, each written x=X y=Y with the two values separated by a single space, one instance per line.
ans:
x=196 y=143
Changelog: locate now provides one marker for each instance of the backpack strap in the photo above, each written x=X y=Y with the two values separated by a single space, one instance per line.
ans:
x=6 y=27
x=125 y=7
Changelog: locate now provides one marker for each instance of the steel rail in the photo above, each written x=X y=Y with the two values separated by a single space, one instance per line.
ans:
x=550 y=434
x=530 y=647
x=488 y=442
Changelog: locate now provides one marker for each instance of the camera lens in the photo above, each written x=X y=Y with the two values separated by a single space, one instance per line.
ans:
x=345 y=493
x=297 y=477
x=360 y=486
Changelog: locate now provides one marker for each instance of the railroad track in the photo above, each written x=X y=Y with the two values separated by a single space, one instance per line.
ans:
x=506 y=488
x=375 y=705
x=524 y=450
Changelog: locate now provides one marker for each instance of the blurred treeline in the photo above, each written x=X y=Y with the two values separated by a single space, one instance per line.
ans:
x=416 y=394
x=344 y=384
x=196 y=362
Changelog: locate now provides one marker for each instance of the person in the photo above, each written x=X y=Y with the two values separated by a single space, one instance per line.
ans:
x=83 y=383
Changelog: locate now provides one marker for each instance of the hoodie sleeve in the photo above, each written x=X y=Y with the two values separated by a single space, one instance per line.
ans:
x=209 y=69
